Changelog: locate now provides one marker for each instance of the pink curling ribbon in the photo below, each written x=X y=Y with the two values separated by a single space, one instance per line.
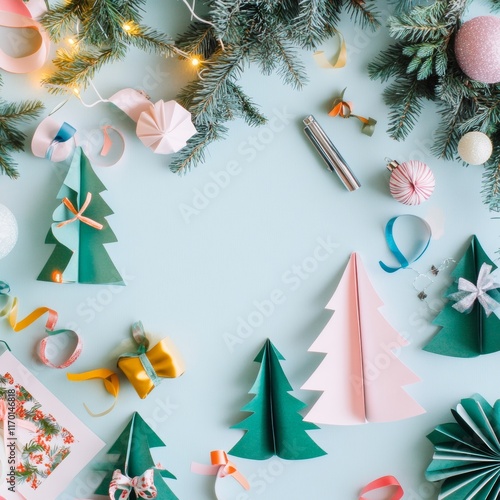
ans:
x=143 y=485
x=384 y=482
x=14 y=14
x=221 y=467
x=468 y=293
x=78 y=214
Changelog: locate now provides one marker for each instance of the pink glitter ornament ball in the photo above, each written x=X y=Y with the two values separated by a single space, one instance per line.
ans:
x=477 y=49
x=411 y=182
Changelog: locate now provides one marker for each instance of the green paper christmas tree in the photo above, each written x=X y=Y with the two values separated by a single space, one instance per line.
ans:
x=465 y=335
x=134 y=457
x=79 y=255
x=275 y=426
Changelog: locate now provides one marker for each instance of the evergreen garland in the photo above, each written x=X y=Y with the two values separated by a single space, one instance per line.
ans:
x=264 y=32
x=11 y=138
x=100 y=32
x=423 y=65
x=235 y=34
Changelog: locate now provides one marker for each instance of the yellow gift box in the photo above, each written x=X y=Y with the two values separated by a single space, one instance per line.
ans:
x=146 y=369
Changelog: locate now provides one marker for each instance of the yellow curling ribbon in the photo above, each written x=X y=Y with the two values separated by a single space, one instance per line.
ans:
x=338 y=61
x=344 y=110
x=10 y=310
x=110 y=380
x=146 y=369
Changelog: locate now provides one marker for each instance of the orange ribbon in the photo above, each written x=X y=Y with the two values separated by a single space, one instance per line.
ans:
x=78 y=214
x=10 y=310
x=222 y=467
x=110 y=380
x=344 y=110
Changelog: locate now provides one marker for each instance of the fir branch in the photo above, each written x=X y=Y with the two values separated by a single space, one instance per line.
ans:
x=199 y=39
x=388 y=63
x=194 y=152
x=365 y=12
x=313 y=22
x=12 y=115
x=245 y=108
x=405 y=99
x=491 y=181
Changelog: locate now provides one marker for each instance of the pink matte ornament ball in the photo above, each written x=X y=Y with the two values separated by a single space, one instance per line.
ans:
x=411 y=182
x=477 y=49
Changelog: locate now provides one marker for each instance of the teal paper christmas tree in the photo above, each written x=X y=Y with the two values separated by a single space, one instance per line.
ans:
x=134 y=458
x=275 y=426
x=467 y=334
x=79 y=255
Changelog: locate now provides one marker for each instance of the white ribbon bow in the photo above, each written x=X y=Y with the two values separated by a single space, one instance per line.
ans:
x=143 y=485
x=468 y=292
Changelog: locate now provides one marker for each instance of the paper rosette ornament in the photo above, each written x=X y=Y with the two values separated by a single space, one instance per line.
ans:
x=468 y=327
x=134 y=474
x=467 y=452
x=145 y=369
x=164 y=127
x=80 y=230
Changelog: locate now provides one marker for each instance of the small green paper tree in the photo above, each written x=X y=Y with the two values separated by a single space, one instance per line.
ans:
x=466 y=335
x=134 y=457
x=275 y=426
x=79 y=255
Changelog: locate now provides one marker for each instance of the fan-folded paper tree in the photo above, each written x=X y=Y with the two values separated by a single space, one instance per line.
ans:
x=361 y=377
x=467 y=452
x=134 y=470
x=275 y=426
x=80 y=230
x=476 y=330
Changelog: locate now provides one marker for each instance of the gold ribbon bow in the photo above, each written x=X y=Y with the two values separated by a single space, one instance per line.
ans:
x=344 y=110
x=78 y=214
x=146 y=369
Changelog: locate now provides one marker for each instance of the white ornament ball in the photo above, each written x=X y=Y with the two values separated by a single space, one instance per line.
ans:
x=475 y=148
x=8 y=231
x=477 y=49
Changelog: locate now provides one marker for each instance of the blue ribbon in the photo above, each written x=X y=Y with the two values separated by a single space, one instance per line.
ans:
x=4 y=288
x=65 y=133
x=393 y=247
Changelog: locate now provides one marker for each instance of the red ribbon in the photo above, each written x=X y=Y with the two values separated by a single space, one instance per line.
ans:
x=384 y=482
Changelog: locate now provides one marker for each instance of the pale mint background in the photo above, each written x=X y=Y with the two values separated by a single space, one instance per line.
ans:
x=193 y=277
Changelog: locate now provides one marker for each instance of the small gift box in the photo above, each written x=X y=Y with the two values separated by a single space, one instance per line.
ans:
x=145 y=369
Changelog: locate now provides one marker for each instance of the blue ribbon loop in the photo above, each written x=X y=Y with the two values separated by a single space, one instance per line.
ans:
x=393 y=247
x=64 y=134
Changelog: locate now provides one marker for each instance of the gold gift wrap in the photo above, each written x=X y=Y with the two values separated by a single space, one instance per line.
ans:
x=165 y=360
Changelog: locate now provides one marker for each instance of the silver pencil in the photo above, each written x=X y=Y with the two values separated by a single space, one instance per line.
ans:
x=330 y=153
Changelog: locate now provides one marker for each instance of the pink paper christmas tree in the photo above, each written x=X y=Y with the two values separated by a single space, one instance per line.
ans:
x=361 y=377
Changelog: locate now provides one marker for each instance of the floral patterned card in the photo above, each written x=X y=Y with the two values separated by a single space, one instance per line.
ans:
x=43 y=445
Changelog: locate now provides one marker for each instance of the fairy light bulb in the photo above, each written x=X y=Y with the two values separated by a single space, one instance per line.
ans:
x=195 y=61
x=127 y=27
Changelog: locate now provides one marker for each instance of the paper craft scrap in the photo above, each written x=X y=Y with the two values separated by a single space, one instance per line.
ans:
x=134 y=472
x=9 y=309
x=14 y=14
x=275 y=426
x=338 y=61
x=343 y=108
x=79 y=255
x=164 y=127
x=53 y=446
x=383 y=483
x=361 y=377
x=145 y=369
x=221 y=467
x=475 y=330
x=467 y=452
x=111 y=384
